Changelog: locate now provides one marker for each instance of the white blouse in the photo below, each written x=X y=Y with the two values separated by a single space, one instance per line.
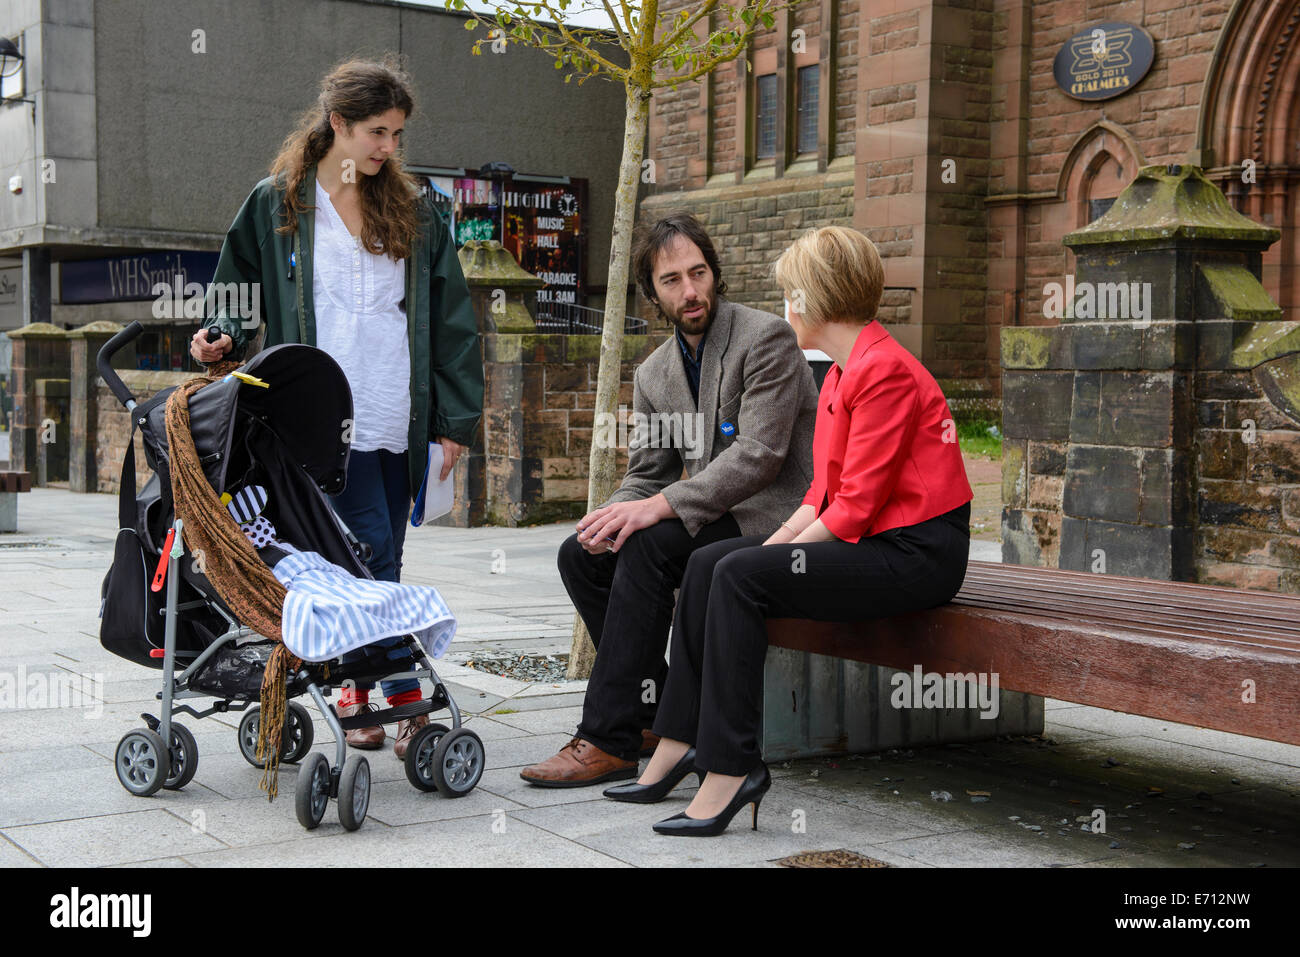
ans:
x=359 y=323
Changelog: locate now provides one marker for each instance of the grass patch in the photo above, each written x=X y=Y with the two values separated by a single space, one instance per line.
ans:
x=506 y=711
x=980 y=437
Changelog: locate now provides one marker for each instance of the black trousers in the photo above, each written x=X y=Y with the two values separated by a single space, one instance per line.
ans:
x=626 y=602
x=714 y=695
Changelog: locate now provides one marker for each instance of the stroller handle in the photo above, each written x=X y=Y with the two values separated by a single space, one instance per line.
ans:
x=104 y=361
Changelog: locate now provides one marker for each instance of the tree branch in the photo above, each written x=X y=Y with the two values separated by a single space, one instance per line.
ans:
x=707 y=65
x=690 y=22
x=613 y=18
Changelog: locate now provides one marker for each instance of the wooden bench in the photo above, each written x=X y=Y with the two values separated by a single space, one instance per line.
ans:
x=12 y=483
x=1212 y=657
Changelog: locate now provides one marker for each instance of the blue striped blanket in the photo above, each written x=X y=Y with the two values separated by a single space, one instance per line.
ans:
x=329 y=611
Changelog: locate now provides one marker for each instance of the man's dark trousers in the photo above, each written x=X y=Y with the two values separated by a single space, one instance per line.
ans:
x=626 y=601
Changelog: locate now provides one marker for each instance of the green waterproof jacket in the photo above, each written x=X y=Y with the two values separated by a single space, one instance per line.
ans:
x=446 y=363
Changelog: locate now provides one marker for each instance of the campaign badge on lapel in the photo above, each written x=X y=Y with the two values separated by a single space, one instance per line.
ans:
x=727 y=429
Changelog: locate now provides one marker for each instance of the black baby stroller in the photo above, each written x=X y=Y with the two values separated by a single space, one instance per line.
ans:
x=276 y=423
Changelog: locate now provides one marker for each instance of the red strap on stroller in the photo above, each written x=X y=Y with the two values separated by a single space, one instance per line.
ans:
x=161 y=574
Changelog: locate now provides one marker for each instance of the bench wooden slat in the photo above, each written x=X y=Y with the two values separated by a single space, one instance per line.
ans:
x=1215 y=635
x=1169 y=594
x=1224 y=623
x=1175 y=651
x=11 y=481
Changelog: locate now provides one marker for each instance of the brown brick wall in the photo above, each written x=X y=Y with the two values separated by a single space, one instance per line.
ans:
x=115 y=425
x=678 y=141
x=846 y=78
x=1160 y=116
x=538 y=422
x=1248 y=494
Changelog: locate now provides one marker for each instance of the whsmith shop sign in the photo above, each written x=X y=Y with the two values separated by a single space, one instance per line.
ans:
x=133 y=278
x=1104 y=61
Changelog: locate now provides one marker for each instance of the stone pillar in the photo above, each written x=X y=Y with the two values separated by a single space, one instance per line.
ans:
x=40 y=351
x=489 y=489
x=83 y=410
x=1101 y=411
x=502 y=292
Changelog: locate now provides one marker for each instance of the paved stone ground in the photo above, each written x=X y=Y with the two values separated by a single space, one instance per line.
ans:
x=1223 y=799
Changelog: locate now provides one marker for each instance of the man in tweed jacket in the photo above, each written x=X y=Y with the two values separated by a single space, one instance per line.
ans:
x=722 y=446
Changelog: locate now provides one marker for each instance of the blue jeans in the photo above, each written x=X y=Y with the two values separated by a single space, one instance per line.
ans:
x=375 y=506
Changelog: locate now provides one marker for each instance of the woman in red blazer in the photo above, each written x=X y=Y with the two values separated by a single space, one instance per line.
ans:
x=884 y=529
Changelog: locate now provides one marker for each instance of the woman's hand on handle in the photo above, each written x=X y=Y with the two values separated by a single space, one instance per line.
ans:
x=209 y=352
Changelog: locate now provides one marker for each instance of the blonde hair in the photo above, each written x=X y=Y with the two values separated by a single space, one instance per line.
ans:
x=834 y=273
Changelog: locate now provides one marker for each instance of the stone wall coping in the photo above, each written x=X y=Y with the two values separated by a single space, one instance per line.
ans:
x=100 y=327
x=1172 y=202
x=35 y=330
x=487 y=263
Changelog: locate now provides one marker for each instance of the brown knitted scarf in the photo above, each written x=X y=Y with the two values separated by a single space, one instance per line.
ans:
x=242 y=580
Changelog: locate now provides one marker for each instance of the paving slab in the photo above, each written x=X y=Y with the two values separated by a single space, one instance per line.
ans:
x=787 y=824
x=112 y=839
x=457 y=843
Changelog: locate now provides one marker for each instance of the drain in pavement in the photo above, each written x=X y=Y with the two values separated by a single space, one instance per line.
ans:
x=543 y=668
x=839 y=858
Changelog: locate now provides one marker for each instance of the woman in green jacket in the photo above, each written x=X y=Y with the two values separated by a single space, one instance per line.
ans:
x=338 y=249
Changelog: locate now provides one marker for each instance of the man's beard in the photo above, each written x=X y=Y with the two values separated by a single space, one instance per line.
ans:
x=693 y=327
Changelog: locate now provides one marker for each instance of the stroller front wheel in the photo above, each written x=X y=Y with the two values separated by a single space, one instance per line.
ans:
x=458 y=762
x=183 y=758
x=354 y=792
x=312 y=792
x=142 y=761
x=419 y=756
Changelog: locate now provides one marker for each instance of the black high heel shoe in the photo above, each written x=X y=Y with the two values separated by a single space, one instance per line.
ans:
x=652 y=793
x=751 y=791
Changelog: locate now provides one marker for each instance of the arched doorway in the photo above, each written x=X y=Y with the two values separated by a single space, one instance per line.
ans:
x=1247 y=132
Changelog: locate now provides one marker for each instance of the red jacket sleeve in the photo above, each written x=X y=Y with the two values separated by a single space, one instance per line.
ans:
x=882 y=427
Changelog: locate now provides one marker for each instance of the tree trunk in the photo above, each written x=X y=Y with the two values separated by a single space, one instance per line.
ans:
x=601 y=478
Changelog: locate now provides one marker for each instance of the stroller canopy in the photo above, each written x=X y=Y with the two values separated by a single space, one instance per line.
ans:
x=305 y=401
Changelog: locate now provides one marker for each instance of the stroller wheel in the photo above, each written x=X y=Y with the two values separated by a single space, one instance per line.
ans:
x=295 y=739
x=248 y=727
x=458 y=762
x=298 y=734
x=354 y=792
x=312 y=793
x=419 y=756
x=142 y=762
x=183 y=757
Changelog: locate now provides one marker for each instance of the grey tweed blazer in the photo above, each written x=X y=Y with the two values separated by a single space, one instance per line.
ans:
x=747 y=447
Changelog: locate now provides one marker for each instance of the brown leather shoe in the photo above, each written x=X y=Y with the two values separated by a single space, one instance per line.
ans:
x=367 y=739
x=579 y=764
x=406 y=729
x=649 y=741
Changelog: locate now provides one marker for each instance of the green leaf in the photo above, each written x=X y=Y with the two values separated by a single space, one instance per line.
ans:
x=559 y=64
x=768 y=20
x=471 y=24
